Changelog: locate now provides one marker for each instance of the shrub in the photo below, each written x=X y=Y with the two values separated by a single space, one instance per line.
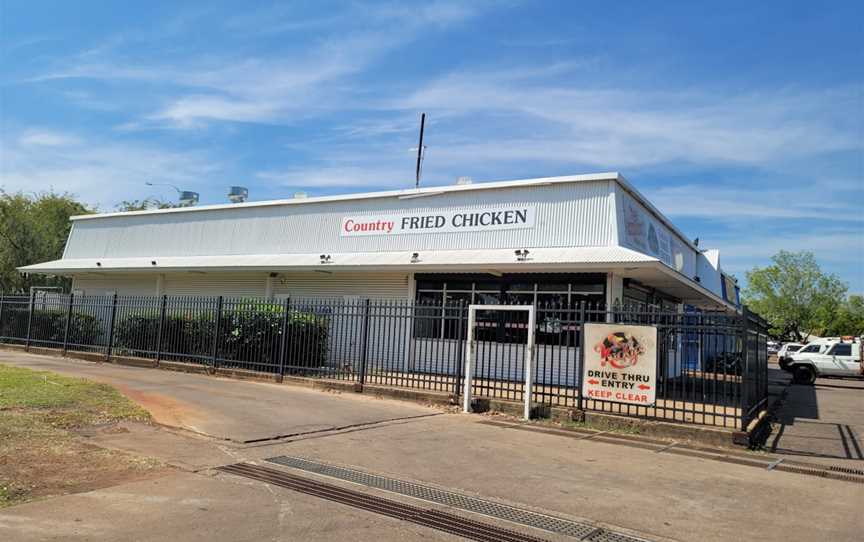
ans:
x=49 y=325
x=248 y=334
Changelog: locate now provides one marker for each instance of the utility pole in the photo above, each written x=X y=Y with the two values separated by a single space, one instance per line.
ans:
x=420 y=150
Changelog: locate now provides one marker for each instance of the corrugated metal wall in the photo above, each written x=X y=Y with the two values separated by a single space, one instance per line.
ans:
x=125 y=284
x=253 y=284
x=232 y=284
x=339 y=285
x=568 y=214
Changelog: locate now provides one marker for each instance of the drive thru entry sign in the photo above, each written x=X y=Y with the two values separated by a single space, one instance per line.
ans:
x=620 y=363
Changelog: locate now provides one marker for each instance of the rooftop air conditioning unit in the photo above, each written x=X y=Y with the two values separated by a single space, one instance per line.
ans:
x=238 y=194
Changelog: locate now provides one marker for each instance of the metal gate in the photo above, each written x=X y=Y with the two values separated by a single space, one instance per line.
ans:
x=494 y=331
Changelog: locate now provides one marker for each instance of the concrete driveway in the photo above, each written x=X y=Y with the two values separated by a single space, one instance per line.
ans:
x=235 y=410
x=646 y=490
x=822 y=423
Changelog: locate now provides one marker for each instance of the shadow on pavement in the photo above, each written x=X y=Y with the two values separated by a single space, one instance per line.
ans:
x=819 y=421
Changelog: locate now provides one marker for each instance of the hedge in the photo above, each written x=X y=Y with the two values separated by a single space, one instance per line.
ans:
x=50 y=326
x=250 y=335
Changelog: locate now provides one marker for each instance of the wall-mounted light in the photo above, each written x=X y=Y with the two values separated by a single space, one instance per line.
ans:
x=521 y=254
x=325 y=258
x=415 y=257
x=697 y=279
x=98 y=264
x=152 y=262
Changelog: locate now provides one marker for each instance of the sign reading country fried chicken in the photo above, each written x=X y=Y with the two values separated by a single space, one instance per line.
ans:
x=442 y=222
x=620 y=363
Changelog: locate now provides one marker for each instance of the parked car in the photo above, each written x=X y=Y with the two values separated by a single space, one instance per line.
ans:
x=784 y=355
x=842 y=357
x=773 y=348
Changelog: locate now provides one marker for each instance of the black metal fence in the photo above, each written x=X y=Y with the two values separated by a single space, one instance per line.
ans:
x=712 y=367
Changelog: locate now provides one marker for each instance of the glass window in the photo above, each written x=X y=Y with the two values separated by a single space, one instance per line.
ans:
x=427 y=298
x=521 y=287
x=811 y=348
x=554 y=286
x=519 y=299
x=793 y=348
x=588 y=288
x=842 y=350
x=463 y=285
x=430 y=285
x=487 y=298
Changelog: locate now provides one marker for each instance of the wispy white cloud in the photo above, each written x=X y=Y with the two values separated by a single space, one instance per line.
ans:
x=47 y=138
x=624 y=128
x=838 y=251
x=770 y=201
x=272 y=88
x=101 y=172
x=341 y=176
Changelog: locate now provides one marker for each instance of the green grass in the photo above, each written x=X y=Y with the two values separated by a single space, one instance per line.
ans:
x=40 y=454
x=67 y=402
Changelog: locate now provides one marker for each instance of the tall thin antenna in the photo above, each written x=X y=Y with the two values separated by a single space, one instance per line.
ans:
x=420 y=149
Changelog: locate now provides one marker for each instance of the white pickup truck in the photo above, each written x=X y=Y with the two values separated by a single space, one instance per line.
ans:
x=841 y=357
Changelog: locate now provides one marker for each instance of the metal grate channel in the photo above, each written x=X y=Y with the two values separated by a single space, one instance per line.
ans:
x=495 y=510
x=435 y=519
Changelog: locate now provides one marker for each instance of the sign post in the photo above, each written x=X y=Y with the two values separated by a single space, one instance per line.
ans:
x=620 y=364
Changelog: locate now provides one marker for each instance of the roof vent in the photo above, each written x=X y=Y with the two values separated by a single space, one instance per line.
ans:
x=464 y=180
x=238 y=194
x=187 y=198
x=300 y=195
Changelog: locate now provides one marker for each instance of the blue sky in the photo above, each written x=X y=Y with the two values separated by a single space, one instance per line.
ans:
x=744 y=122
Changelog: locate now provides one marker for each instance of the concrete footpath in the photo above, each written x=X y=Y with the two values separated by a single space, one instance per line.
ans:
x=649 y=492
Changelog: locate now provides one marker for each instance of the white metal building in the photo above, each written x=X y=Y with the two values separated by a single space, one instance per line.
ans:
x=583 y=237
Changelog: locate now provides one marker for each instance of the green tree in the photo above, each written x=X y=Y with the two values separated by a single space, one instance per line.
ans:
x=848 y=319
x=794 y=295
x=144 y=204
x=33 y=229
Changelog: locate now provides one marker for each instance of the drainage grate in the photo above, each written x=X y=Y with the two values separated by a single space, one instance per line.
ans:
x=847 y=470
x=492 y=509
x=832 y=472
x=435 y=519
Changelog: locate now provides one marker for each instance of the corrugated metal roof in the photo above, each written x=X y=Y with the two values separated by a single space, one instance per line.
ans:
x=489 y=259
x=403 y=194
x=567 y=215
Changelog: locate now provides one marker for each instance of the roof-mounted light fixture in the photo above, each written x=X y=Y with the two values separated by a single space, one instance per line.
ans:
x=415 y=257
x=521 y=254
x=325 y=258
x=152 y=262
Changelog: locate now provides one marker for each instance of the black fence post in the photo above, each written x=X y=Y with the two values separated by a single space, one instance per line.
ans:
x=365 y=355
x=1 y=315
x=580 y=402
x=283 y=339
x=214 y=363
x=29 y=321
x=111 y=328
x=460 y=354
x=68 y=322
x=745 y=368
x=162 y=311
